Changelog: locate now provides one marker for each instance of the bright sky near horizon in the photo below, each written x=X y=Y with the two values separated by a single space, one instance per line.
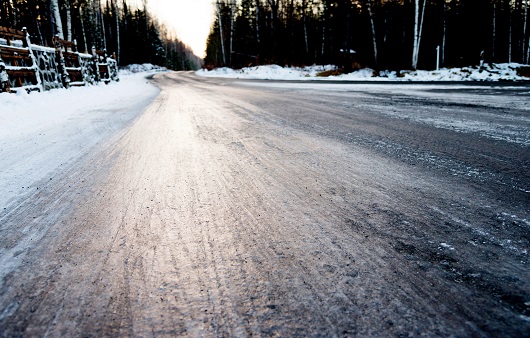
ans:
x=191 y=19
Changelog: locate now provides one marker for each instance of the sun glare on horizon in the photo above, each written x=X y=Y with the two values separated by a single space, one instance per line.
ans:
x=191 y=20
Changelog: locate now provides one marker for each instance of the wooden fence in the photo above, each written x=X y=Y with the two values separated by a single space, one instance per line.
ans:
x=25 y=66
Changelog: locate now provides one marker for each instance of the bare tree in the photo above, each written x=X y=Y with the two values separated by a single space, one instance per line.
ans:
x=68 y=20
x=374 y=39
x=54 y=6
x=257 y=22
x=304 y=18
x=274 y=18
x=117 y=16
x=82 y=19
x=444 y=30
x=221 y=32
x=232 y=19
x=509 y=7
x=494 y=32
x=103 y=27
x=525 y=42
x=146 y=18
x=418 y=26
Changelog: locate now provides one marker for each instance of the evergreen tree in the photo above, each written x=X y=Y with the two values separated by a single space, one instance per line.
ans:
x=385 y=34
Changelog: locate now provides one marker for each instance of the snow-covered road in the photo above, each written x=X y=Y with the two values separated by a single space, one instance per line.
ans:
x=251 y=208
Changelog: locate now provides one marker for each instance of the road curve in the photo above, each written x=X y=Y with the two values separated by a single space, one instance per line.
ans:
x=233 y=208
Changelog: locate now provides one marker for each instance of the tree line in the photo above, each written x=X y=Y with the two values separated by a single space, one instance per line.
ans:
x=132 y=33
x=382 y=34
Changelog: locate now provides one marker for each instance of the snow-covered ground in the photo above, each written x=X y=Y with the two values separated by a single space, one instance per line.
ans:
x=495 y=72
x=143 y=68
x=42 y=134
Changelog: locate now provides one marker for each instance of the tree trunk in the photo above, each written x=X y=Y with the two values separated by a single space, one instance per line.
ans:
x=416 y=24
x=117 y=16
x=146 y=19
x=420 y=31
x=525 y=58
x=323 y=50
x=232 y=18
x=221 y=33
x=517 y=22
x=83 y=28
x=528 y=40
x=103 y=31
x=109 y=11
x=374 y=39
x=257 y=24
x=418 y=27
x=54 y=4
x=274 y=17
x=304 y=5
x=93 y=24
x=509 y=31
x=68 y=20
x=494 y=32
x=444 y=33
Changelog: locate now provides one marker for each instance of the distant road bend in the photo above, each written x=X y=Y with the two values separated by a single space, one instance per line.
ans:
x=239 y=208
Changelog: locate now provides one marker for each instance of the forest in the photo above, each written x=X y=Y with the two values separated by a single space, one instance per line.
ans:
x=382 y=34
x=132 y=33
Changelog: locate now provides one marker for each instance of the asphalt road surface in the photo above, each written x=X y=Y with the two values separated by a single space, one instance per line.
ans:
x=253 y=208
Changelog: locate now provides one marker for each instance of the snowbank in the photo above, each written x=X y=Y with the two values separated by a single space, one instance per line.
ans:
x=136 y=68
x=271 y=72
x=494 y=72
x=21 y=113
x=43 y=134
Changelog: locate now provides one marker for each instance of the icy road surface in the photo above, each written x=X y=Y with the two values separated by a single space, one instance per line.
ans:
x=238 y=208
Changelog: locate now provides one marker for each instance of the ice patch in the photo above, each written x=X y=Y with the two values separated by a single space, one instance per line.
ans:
x=525 y=318
x=447 y=246
x=486 y=236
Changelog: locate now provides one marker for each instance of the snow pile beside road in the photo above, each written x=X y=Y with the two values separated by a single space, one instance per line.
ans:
x=21 y=113
x=494 y=72
x=137 y=68
x=44 y=132
x=271 y=72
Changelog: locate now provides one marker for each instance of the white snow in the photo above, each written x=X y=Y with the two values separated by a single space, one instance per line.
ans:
x=136 y=68
x=272 y=72
x=494 y=72
x=42 y=134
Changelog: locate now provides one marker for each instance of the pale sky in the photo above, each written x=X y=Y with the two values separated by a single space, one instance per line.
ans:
x=191 y=20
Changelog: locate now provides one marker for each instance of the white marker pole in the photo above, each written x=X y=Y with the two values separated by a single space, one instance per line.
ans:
x=437 y=57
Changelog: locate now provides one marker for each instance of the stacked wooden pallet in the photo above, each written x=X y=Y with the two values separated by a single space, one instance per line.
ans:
x=17 y=63
x=25 y=66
